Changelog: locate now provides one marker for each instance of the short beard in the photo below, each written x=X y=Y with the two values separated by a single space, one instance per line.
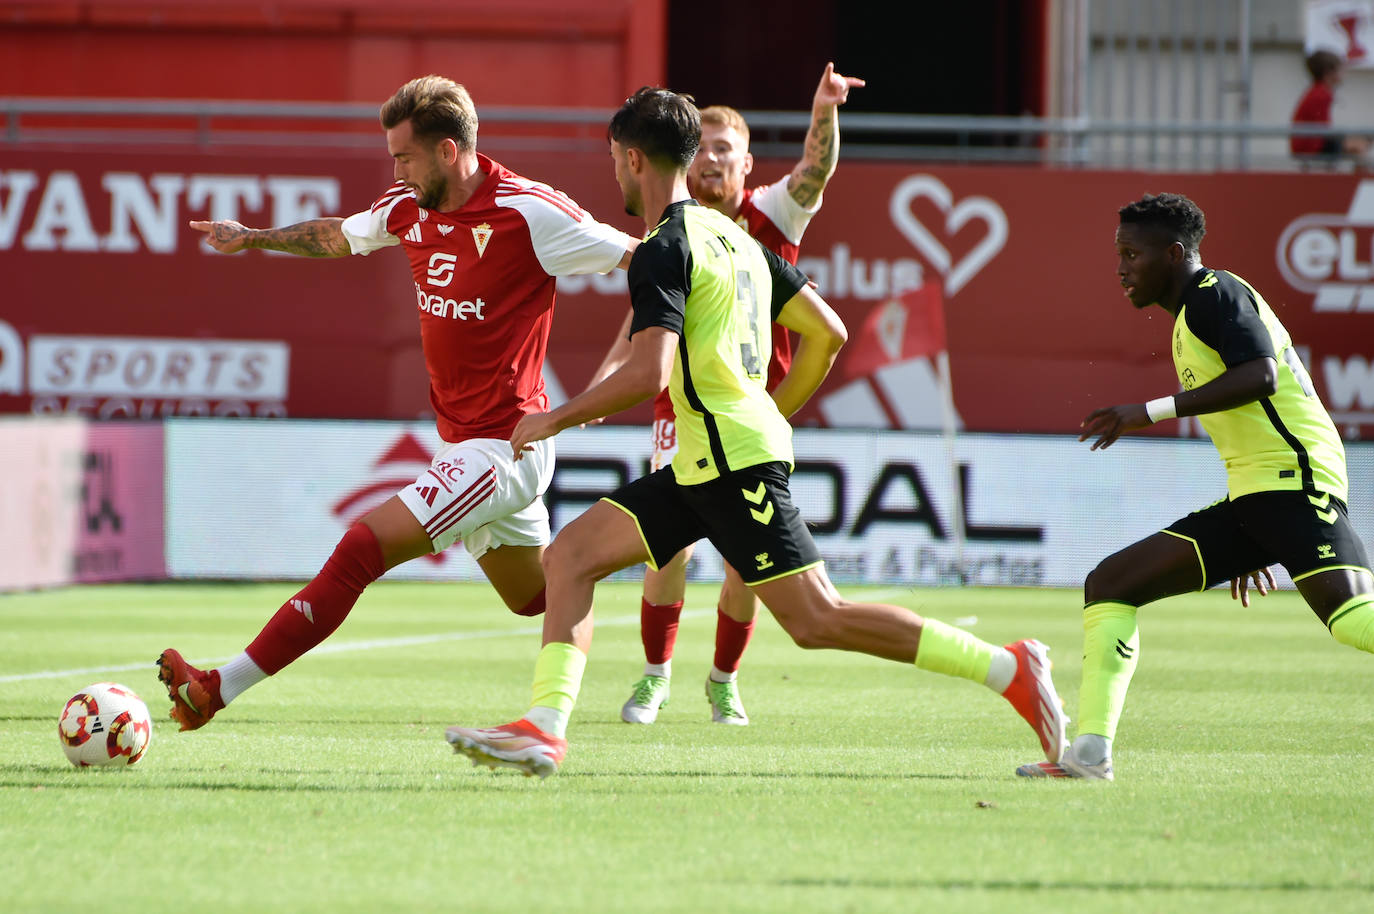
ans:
x=709 y=198
x=431 y=196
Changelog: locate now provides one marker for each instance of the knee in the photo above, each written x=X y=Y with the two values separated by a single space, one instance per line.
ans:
x=561 y=558
x=1102 y=584
x=812 y=630
x=737 y=600
x=809 y=638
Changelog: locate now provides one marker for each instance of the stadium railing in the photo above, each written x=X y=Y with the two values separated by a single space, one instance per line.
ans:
x=1054 y=142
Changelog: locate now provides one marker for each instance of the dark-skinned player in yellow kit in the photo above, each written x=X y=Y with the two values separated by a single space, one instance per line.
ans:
x=1285 y=473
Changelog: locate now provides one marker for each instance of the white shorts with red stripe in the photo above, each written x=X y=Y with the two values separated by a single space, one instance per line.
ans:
x=476 y=492
x=665 y=444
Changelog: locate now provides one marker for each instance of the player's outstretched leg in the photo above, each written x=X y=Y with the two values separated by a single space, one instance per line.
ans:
x=809 y=609
x=520 y=745
x=194 y=692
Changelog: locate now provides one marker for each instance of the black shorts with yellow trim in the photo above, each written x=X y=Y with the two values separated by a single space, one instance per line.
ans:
x=1304 y=532
x=747 y=514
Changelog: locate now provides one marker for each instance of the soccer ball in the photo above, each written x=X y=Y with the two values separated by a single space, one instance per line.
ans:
x=105 y=724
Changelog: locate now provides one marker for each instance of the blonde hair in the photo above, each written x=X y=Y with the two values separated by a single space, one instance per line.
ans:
x=725 y=116
x=438 y=109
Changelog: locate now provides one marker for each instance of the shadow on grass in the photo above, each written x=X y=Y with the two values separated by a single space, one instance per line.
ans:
x=780 y=775
x=41 y=777
x=1087 y=885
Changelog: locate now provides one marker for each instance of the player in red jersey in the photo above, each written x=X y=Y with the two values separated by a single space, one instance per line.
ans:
x=776 y=214
x=484 y=246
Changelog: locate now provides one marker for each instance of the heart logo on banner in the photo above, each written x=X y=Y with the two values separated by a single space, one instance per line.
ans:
x=957 y=215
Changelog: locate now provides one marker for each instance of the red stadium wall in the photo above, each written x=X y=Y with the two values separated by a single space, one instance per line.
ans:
x=515 y=52
x=112 y=308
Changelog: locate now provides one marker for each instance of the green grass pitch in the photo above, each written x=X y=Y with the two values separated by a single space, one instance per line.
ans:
x=1243 y=765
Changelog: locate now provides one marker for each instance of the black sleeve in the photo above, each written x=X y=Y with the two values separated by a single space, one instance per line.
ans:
x=1224 y=315
x=660 y=278
x=787 y=280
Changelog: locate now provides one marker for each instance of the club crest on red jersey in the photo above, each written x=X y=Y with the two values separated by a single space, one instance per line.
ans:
x=480 y=236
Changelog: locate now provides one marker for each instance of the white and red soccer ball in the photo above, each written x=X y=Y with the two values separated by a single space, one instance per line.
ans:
x=105 y=724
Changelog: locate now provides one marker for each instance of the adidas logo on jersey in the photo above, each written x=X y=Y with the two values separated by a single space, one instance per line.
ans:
x=413 y=233
x=303 y=607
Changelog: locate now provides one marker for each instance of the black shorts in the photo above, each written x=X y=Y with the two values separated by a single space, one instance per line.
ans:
x=748 y=515
x=1302 y=533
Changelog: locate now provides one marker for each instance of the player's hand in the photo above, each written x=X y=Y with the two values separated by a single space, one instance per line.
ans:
x=1264 y=582
x=531 y=428
x=225 y=235
x=834 y=88
x=1111 y=423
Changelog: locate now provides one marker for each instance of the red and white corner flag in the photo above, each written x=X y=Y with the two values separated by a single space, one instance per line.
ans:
x=894 y=372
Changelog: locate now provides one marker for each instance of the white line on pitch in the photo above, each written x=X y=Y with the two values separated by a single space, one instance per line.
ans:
x=408 y=641
x=345 y=646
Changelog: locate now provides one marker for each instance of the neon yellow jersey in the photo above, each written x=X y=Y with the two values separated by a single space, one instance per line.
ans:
x=1283 y=442
x=703 y=277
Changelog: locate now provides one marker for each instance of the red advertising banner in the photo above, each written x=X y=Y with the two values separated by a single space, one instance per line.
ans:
x=112 y=307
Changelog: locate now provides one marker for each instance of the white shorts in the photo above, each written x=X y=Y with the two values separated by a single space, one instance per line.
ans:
x=665 y=444
x=475 y=491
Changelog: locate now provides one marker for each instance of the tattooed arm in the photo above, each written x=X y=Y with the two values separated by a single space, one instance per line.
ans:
x=822 y=151
x=316 y=238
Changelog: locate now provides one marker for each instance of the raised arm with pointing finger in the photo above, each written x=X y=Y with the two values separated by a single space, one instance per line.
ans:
x=822 y=151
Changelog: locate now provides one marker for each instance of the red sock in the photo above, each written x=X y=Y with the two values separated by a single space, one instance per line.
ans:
x=731 y=639
x=312 y=615
x=658 y=629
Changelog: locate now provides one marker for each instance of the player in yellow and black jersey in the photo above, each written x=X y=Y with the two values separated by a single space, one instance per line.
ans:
x=1285 y=472
x=703 y=292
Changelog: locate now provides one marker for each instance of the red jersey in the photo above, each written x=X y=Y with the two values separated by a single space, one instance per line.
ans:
x=484 y=288
x=1313 y=108
x=771 y=215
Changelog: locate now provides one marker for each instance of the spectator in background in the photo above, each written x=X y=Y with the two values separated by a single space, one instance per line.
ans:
x=1314 y=107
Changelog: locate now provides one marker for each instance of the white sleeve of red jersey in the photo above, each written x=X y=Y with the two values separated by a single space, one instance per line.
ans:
x=787 y=214
x=366 y=231
x=566 y=238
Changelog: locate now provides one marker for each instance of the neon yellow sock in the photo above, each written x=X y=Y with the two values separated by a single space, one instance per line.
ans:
x=558 y=676
x=953 y=651
x=1353 y=622
x=1111 y=648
